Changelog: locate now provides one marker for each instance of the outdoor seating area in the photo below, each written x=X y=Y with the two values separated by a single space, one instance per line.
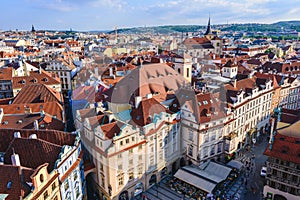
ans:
x=192 y=192
x=187 y=190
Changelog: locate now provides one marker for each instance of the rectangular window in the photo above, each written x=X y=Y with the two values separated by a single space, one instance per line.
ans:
x=102 y=182
x=120 y=180
x=127 y=141
x=66 y=185
x=140 y=170
x=53 y=186
x=77 y=192
x=130 y=151
x=187 y=72
x=75 y=176
x=130 y=176
x=101 y=166
x=46 y=195
x=191 y=136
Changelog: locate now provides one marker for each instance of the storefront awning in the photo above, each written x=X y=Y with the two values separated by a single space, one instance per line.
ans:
x=235 y=164
x=195 y=181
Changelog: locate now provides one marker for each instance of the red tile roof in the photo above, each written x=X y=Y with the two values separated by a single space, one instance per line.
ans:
x=6 y=73
x=158 y=79
x=53 y=136
x=98 y=120
x=37 y=93
x=111 y=129
x=35 y=78
x=33 y=152
x=51 y=108
x=84 y=92
x=144 y=113
x=17 y=188
x=285 y=148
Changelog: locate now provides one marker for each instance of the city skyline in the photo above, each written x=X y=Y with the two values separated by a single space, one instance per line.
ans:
x=107 y=14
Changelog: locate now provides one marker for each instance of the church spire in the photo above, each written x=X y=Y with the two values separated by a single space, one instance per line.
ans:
x=32 y=29
x=208 y=30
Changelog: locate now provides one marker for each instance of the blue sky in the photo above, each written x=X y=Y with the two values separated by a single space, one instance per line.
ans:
x=106 y=14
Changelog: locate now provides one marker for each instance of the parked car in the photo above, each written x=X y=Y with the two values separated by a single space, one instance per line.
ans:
x=263 y=171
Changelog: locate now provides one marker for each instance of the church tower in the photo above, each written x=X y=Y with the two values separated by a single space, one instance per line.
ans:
x=208 y=34
x=32 y=29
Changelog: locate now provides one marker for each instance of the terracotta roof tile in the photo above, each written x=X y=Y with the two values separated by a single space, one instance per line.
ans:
x=144 y=113
x=51 y=108
x=158 y=79
x=6 y=73
x=17 y=188
x=285 y=147
x=84 y=92
x=111 y=129
x=53 y=136
x=35 y=78
x=33 y=152
x=37 y=93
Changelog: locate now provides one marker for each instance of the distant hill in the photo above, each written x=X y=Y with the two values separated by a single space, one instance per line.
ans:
x=276 y=27
x=251 y=27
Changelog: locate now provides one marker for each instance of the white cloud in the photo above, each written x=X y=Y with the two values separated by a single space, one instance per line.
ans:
x=119 y=4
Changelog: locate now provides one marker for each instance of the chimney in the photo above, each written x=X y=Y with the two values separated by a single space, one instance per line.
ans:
x=111 y=71
x=96 y=71
x=42 y=112
x=33 y=136
x=27 y=110
x=110 y=118
x=1 y=114
x=15 y=159
x=138 y=100
x=234 y=83
x=149 y=96
x=36 y=125
x=17 y=135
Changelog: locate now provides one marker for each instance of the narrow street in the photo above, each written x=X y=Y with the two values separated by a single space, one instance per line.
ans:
x=255 y=183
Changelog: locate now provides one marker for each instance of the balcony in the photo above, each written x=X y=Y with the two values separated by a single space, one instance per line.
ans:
x=284 y=181
x=283 y=168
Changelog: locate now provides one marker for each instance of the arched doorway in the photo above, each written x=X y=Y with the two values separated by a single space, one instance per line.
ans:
x=163 y=172
x=279 y=197
x=152 y=180
x=124 y=195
